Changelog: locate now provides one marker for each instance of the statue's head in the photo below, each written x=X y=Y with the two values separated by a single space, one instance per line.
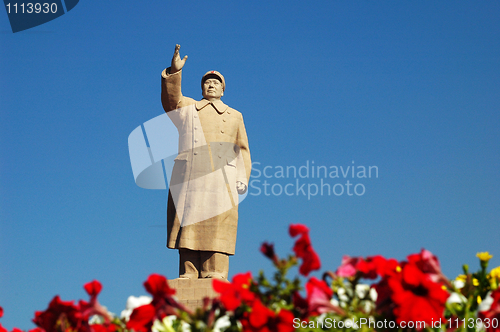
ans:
x=213 y=85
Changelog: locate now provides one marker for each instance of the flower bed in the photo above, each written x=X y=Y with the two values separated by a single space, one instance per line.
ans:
x=407 y=295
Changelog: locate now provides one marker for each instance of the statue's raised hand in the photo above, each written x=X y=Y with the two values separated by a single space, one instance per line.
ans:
x=177 y=63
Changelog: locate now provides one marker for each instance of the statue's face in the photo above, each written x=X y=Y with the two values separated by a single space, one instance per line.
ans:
x=212 y=89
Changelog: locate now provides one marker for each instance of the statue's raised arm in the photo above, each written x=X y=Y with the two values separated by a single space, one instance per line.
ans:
x=171 y=93
x=177 y=63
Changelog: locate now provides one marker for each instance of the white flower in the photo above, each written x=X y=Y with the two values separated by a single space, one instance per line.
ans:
x=321 y=318
x=365 y=291
x=96 y=319
x=485 y=305
x=362 y=290
x=222 y=323
x=167 y=325
x=458 y=283
x=480 y=326
x=351 y=324
x=132 y=303
x=342 y=294
x=185 y=327
x=456 y=298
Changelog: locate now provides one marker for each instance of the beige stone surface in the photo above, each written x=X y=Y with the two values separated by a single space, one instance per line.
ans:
x=213 y=165
x=202 y=212
x=191 y=292
x=195 y=264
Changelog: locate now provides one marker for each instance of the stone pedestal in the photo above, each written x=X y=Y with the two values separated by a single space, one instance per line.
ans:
x=191 y=292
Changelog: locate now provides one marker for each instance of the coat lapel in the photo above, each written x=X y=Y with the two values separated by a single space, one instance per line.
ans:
x=219 y=106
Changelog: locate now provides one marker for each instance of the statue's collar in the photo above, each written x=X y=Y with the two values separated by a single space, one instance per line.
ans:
x=219 y=106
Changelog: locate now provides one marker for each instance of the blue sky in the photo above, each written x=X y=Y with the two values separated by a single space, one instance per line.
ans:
x=410 y=87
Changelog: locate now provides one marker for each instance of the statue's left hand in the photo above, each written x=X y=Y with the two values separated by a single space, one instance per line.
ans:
x=241 y=187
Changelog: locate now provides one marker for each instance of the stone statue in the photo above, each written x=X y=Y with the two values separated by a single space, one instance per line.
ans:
x=212 y=167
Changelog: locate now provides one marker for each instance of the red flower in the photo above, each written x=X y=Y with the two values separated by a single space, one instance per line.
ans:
x=163 y=301
x=416 y=296
x=384 y=304
x=157 y=286
x=2 y=329
x=262 y=319
x=93 y=288
x=374 y=266
x=300 y=304
x=303 y=249
x=93 y=307
x=368 y=268
x=347 y=267
x=61 y=316
x=297 y=229
x=163 y=304
x=37 y=329
x=103 y=328
x=15 y=329
x=429 y=264
x=233 y=294
x=492 y=313
x=142 y=318
x=268 y=250
x=319 y=296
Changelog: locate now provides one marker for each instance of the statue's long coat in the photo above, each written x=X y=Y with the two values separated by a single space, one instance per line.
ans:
x=202 y=212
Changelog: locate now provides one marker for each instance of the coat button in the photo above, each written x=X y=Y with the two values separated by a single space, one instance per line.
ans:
x=222 y=131
x=223 y=120
x=220 y=156
x=195 y=127
x=228 y=112
x=195 y=115
x=195 y=153
x=196 y=140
